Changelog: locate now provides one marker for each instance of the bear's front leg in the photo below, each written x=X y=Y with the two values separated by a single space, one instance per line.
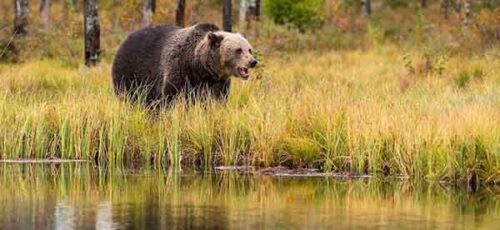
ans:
x=220 y=90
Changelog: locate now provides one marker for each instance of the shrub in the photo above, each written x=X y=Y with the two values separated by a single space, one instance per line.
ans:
x=462 y=79
x=478 y=73
x=397 y=3
x=465 y=77
x=302 y=14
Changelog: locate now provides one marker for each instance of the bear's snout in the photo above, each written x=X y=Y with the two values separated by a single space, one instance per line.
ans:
x=253 y=63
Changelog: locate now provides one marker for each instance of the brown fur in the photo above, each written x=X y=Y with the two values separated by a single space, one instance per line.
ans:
x=164 y=61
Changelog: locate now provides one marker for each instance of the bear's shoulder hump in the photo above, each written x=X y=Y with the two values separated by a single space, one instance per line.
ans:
x=206 y=27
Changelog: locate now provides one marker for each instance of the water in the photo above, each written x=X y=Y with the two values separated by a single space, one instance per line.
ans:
x=80 y=196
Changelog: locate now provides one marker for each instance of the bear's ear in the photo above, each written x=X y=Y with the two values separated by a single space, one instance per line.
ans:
x=243 y=35
x=214 y=39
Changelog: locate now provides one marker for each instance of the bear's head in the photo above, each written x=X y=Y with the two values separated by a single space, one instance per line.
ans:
x=228 y=54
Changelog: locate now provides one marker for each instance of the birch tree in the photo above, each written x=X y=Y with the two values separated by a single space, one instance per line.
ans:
x=21 y=17
x=468 y=12
x=91 y=32
x=180 y=13
x=254 y=10
x=244 y=6
x=249 y=11
x=148 y=11
x=458 y=6
x=367 y=7
x=45 y=12
x=226 y=15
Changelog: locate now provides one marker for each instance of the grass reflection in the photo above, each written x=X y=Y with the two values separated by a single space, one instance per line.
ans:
x=78 y=196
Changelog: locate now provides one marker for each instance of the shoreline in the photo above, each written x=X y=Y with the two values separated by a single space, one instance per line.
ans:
x=473 y=183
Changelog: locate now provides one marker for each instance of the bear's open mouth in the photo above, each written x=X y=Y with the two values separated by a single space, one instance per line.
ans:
x=243 y=72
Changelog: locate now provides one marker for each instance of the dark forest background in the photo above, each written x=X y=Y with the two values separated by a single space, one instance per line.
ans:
x=55 y=28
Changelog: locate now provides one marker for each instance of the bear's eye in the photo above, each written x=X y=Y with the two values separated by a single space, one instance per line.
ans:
x=239 y=51
x=250 y=51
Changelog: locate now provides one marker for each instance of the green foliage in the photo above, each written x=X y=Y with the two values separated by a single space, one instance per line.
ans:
x=302 y=14
x=397 y=3
x=426 y=63
x=375 y=34
x=478 y=73
x=436 y=62
x=462 y=79
x=349 y=4
x=300 y=151
x=419 y=28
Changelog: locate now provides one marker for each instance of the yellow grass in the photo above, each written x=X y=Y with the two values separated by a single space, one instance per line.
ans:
x=347 y=111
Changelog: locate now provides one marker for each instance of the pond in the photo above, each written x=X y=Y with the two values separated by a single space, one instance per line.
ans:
x=84 y=196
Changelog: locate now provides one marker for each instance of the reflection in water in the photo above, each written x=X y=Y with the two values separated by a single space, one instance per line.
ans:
x=104 y=217
x=79 y=196
x=64 y=216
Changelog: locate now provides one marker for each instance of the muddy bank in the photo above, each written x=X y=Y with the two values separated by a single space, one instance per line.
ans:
x=281 y=171
x=40 y=161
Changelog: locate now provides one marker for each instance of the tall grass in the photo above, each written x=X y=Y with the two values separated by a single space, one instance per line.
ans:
x=338 y=111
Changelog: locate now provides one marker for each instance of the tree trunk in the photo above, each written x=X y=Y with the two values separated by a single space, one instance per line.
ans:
x=249 y=11
x=244 y=5
x=148 y=11
x=423 y=3
x=91 y=32
x=45 y=12
x=226 y=15
x=254 y=10
x=468 y=12
x=445 y=4
x=367 y=7
x=21 y=17
x=458 y=6
x=179 y=13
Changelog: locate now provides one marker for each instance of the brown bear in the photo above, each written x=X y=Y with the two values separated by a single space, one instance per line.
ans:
x=156 y=64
